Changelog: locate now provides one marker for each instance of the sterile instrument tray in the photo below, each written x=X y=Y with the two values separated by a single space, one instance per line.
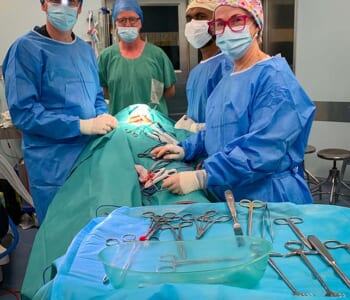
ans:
x=211 y=261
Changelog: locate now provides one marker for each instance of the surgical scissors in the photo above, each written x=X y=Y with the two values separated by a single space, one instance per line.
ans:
x=205 y=221
x=251 y=204
x=291 y=221
x=297 y=248
x=335 y=244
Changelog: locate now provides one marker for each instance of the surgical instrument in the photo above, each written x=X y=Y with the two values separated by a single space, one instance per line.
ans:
x=267 y=214
x=205 y=221
x=297 y=248
x=322 y=250
x=156 y=222
x=291 y=221
x=158 y=175
x=128 y=237
x=251 y=205
x=335 y=244
x=177 y=232
x=171 y=262
x=230 y=200
x=284 y=278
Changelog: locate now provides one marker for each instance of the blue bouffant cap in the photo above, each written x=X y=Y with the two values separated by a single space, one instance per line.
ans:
x=123 y=5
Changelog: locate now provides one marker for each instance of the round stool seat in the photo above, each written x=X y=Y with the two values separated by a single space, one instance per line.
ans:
x=310 y=149
x=334 y=154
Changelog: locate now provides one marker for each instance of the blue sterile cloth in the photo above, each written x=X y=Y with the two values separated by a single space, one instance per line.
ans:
x=80 y=272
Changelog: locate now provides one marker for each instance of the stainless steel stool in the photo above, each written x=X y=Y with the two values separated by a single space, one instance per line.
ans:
x=309 y=177
x=334 y=154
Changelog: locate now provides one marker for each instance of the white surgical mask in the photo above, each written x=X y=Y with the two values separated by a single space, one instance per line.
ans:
x=128 y=34
x=62 y=17
x=234 y=44
x=196 y=32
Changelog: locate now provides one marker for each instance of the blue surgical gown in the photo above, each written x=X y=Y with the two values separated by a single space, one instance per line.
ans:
x=50 y=85
x=257 y=128
x=201 y=82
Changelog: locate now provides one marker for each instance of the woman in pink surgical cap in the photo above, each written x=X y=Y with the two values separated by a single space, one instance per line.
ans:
x=258 y=119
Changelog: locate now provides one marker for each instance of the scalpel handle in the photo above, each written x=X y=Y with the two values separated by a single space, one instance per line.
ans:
x=323 y=251
x=231 y=204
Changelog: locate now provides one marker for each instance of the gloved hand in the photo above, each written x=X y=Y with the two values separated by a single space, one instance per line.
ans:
x=186 y=182
x=188 y=124
x=100 y=125
x=169 y=151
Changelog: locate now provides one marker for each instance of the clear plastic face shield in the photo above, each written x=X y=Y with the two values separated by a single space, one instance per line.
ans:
x=70 y=3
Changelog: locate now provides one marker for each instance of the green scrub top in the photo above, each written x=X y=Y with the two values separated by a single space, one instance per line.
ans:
x=136 y=81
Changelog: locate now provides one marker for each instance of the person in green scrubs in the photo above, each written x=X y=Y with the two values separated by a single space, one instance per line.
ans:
x=133 y=71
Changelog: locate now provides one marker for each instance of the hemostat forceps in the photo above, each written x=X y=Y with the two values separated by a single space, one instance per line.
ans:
x=157 y=175
x=205 y=221
x=251 y=204
x=177 y=232
x=335 y=244
x=291 y=221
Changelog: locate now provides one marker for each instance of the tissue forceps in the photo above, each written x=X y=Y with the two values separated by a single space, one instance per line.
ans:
x=251 y=205
x=291 y=221
x=205 y=221
x=335 y=244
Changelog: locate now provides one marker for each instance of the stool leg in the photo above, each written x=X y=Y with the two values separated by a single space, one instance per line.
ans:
x=310 y=177
x=332 y=192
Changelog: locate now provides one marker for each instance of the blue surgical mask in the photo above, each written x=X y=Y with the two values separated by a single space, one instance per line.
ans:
x=234 y=44
x=62 y=17
x=128 y=34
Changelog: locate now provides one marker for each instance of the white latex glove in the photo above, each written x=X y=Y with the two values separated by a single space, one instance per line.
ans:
x=169 y=151
x=186 y=182
x=102 y=124
x=188 y=124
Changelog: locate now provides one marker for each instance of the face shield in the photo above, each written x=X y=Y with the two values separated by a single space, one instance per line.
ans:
x=70 y=3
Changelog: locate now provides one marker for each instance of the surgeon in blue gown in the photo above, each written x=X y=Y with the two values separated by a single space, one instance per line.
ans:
x=258 y=120
x=54 y=98
x=214 y=64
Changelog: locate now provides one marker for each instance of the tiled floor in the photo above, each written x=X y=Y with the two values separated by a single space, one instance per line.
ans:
x=13 y=272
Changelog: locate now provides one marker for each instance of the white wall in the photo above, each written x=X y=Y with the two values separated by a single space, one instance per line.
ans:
x=19 y=16
x=322 y=66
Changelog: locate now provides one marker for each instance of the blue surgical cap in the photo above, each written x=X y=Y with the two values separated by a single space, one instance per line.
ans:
x=123 y=5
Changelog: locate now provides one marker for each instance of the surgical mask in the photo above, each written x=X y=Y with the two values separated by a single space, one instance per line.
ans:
x=128 y=34
x=234 y=44
x=196 y=32
x=62 y=17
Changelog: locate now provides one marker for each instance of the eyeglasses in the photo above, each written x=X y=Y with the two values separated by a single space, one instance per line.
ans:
x=236 y=23
x=72 y=3
x=132 y=20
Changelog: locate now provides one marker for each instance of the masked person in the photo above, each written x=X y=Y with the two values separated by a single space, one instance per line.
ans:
x=258 y=120
x=214 y=64
x=134 y=71
x=54 y=98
